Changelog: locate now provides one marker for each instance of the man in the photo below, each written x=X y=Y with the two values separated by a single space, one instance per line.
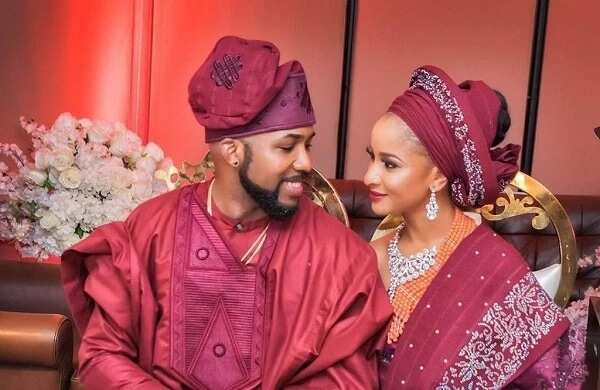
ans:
x=239 y=283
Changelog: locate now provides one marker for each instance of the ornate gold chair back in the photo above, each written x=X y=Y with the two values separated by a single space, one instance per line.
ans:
x=527 y=196
x=317 y=187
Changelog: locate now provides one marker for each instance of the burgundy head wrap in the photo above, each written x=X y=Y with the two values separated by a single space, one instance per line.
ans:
x=241 y=90
x=457 y=125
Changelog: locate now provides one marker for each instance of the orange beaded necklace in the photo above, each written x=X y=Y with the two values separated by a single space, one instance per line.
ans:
x=408 y=294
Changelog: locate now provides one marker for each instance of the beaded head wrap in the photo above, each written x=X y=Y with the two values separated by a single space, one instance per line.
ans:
x=457 y=125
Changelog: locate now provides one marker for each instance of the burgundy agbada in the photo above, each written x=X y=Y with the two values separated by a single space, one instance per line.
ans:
x=163 y=301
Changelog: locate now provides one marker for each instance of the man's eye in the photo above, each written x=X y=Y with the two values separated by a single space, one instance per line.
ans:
x=309 y=147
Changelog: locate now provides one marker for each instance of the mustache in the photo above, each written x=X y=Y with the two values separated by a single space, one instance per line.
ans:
x=296 y=178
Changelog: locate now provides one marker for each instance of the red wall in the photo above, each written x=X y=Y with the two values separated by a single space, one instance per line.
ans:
x=567 y=153
x=131 y=60
x=469 y=39
x=186 y=30
x=63 y=55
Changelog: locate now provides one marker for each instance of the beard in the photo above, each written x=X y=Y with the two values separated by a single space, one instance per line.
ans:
x=267 y=200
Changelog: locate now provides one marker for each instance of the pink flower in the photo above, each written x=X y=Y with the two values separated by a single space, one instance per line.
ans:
x=585 y=262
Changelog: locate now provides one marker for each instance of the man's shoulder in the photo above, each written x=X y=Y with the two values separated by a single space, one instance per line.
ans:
x=319 y=223
x=157 y=208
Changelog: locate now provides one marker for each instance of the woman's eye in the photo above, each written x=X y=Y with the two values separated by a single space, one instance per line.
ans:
x=286 y=148
x=389 y=165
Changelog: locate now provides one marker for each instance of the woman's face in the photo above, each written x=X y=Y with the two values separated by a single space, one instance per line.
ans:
x=400 y=173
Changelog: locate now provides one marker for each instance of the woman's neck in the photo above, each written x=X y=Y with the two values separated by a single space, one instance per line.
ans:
x=421 y=233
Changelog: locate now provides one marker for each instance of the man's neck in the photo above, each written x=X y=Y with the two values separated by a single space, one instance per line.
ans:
x=232 y=201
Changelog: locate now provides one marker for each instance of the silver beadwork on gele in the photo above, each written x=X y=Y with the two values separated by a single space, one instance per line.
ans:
x=466 y=194
x=432 y=207
x=403 y=268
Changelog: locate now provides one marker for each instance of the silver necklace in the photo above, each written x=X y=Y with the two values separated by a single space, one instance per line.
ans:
x=406 y=268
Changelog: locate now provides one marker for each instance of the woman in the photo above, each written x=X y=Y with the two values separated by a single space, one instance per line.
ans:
x=468 y=313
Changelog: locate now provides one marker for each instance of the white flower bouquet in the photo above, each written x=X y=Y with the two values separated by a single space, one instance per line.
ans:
x=83 y=174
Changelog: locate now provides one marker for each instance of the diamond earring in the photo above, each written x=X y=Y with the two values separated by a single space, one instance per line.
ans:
x=432 y=207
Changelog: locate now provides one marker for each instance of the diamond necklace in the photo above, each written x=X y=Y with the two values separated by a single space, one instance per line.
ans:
x=406 y=268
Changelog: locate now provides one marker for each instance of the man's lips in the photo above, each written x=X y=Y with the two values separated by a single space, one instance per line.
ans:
x=293 y=186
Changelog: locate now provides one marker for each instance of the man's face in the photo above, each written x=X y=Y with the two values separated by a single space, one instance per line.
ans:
x=274 y=166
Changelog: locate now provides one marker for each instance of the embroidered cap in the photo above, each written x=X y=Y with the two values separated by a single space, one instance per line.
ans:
x=241 y=90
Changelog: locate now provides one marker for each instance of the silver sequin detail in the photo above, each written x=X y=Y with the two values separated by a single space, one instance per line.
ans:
x=439 y=91
x=503 y=338
x=406 y=268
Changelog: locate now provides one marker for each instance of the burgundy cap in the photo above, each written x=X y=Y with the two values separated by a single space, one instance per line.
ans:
x=241 y=90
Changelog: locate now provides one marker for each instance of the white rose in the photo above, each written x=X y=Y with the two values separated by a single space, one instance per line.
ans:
x=70 y=178
x=122 y=178
x=91 y=155
x=134 y=155
x=49 y=220
x=119 y=146
x=85 y=123
x=65 y=121
x=97 y=135
x=42 y=158
x=35 y=176
x=142 y=189
x=154 y=151
x=165 y=164
x=146 y=164
x=125 y=143
x=70 y=240
x=53 y=175
x=61 y=159
x=159 y=186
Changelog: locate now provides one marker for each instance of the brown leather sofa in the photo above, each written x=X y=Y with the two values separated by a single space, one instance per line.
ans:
x=37 y=339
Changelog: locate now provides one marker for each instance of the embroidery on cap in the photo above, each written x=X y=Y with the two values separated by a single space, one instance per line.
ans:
x=227 y=72
x=305 y=102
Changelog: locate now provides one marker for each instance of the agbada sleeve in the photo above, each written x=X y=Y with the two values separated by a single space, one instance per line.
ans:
x=103 y=293
x=353 y=331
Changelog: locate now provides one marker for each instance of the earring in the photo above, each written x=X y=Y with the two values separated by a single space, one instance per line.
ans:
x=432 y=207
x=235 y=163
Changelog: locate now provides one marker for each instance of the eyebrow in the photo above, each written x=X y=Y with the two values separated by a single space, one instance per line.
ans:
x=298 y=137
x=390 y=155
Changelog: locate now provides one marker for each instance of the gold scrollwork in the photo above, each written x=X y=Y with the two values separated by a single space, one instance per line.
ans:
x=513 y=206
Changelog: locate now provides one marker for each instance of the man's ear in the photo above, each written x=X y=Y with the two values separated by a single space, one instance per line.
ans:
x=438 y=180
x=231 y=151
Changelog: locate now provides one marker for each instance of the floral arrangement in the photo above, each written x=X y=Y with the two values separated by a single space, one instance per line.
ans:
x=83 y=174
x=577 y=312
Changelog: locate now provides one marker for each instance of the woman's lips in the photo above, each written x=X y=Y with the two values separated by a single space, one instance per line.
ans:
x=375 y=196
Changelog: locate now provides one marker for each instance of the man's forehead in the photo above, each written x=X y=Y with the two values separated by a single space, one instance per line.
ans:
x=296 y=134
